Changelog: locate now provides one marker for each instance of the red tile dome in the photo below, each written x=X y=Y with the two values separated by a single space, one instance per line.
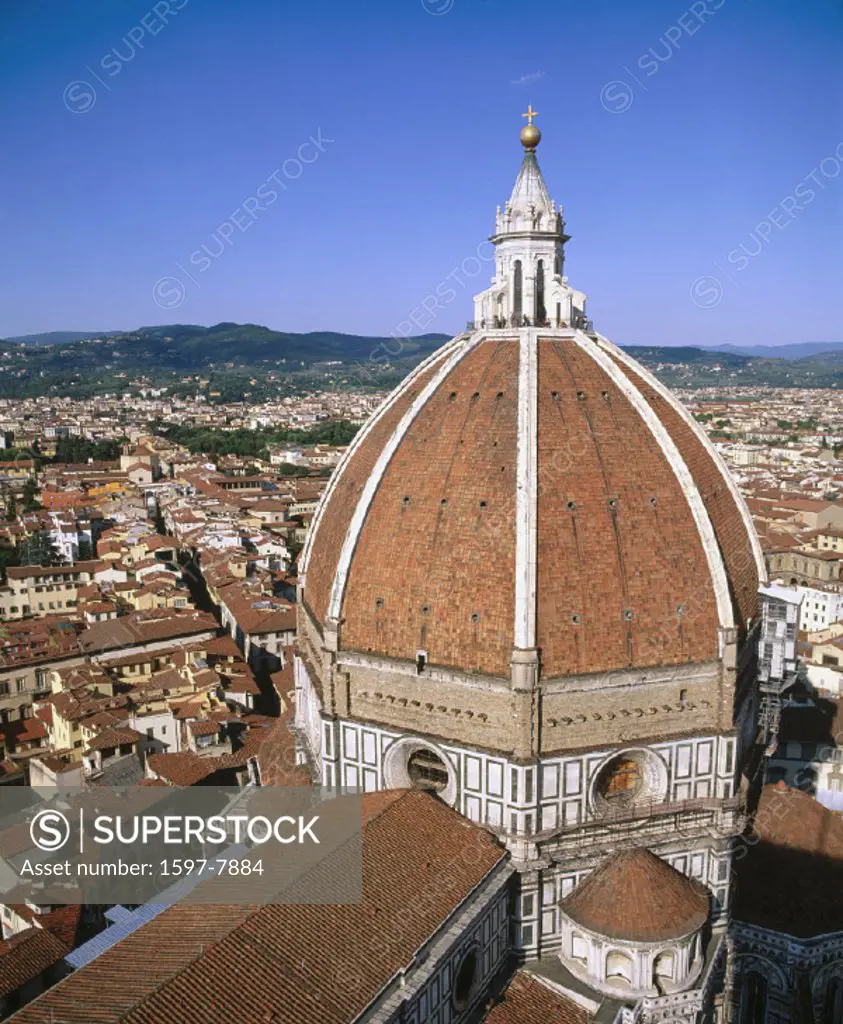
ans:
x=636 y=896
x=532 y=490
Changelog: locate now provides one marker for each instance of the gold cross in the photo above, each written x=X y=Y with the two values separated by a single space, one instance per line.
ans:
x=530 y=114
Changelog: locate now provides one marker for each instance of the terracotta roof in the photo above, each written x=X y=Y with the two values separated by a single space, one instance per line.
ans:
x=791 y=881
x=190 y=708
x=182 y=769
x=23 y=571
x=283 y=681
x=223 y=647
x=636 y=895
x=144 y=627
x=290 y=964
x=434 y=551
x=806 y=504
x=114 y=738
x=15 y=839
x=530 y=1001
x=57 y=763
x=204 y=728
x=26 y=730
x=277 y=755
x=25 y=956
x=239 y=683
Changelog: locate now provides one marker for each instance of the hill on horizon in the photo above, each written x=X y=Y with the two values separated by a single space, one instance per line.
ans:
x=337 y=341
x=795 y=350
x=57 y=337
x=173 y=355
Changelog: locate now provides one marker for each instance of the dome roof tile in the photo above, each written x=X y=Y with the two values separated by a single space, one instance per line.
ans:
x=636 y=896
x=532 y=489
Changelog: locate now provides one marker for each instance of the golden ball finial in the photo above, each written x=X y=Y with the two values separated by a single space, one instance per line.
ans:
x=530 y=135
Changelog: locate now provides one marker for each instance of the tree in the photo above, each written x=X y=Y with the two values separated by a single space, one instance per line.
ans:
x=38 y=550
x=85 y=551
x=79 y=450
x=31 y=501
x=8 y=556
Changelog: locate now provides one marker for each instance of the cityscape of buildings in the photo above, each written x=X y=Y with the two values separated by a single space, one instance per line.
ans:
x=577 y=640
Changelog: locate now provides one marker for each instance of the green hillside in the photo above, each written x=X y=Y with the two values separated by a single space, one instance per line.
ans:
x=247 y=362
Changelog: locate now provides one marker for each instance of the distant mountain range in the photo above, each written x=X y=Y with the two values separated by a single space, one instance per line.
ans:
x=58 y=337
x=252 y=360
x=799 y=350
x=796 y=350
x=192 y=345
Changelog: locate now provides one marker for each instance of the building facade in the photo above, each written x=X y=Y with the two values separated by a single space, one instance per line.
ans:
x=532 y=588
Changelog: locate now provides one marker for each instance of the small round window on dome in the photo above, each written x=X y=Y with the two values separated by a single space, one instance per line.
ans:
x=572 y=506
x=627 y=779
x=475 y=617
x=427 y=770
x=405 y=500
x=621 y=781
x=653 y=502
x=452 y=397
x=483 y=504
x=378 y=602
x=475 y=397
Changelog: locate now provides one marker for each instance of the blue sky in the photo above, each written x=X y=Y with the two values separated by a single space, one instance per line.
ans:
x=697 y=149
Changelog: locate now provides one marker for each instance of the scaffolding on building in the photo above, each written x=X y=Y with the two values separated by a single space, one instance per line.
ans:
x=777 y=658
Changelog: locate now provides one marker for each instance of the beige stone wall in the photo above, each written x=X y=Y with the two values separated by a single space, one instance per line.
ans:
x=571 y=713
x=20 y=595
x=634 y=707
x=474 y=715
x=803 y=567
x=22 y=682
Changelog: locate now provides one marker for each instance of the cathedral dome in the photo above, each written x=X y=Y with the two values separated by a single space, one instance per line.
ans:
x=532 y=490
x=531 y=503
x=636 y=896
